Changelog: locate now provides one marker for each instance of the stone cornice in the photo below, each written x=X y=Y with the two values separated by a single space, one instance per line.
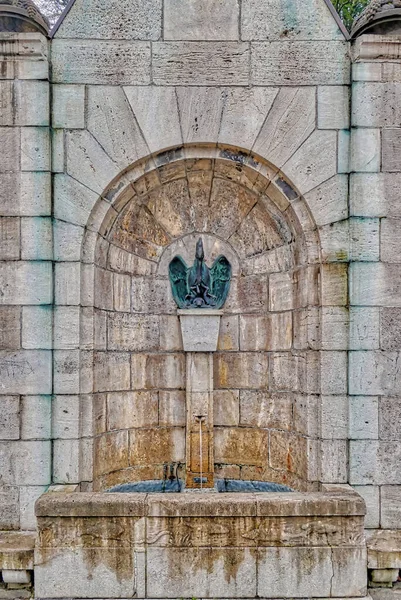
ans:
x=377 y=47
x=24 y=45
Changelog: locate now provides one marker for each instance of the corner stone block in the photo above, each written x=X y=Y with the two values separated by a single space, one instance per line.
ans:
x=365 y=150
x=35 y=149
x=66 y=328
x=10 y=144
x=334 y=461
x=67 y=283
x=201 y=20
x=365 y=239
x=375 y=284
x=101 y=62
x=10 y=327
x=376 y=104
x=374 y=373
x=68 y=106
x=389 y=240
x=66 y=372
x=25 y=372
x=334 y=284
x=9 y=507
x=334 y=417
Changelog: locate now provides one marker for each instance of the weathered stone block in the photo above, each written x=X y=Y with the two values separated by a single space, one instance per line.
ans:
x=110 y=121
x=35 y=194
x=57 y=145
x=111 y=371
x=31 y=103
x=328 y=572
x=37 y=327
x=389 y=417
x=27 y=497
x=65 y=417
x=122 y=292
x=374 y=463
x=68 y=106
x=9 y=417
x=168 y=445
x=364 y=328
x=390 y=506
x=343 y=158
x=66 y=371
x=226 y=407
x=265 y=410
x=314 y=162
x=110 y=571
x=172 y=408
x=390 y=329
x=131 y=332
x=9 y=508
x=365 y=239
x=9 y=238
x=389 y=240
x=281 y=291
x=272 y=21
x=66 y=461
x=10 y=143
x=273 y=332
x=333 y=107
x=35 y=149
x=26 y=462
x=288 y=452
x=371 y=496
x=36 y=238
x=197 y=572
x=374 y=373
x=365 y=150
x=127 y=410
x=334 y=417
x=334 y=284
x=67 y=241
x=240 y=370
x=101 y=62
x=25 y=372
x=363 y=418
x=200 y=63
x=6 y=103
x=375 y=194
x=67 y=283
x=391 y=140
x=203 y=106
x=73 y=202
x=110 y=452
x=229 y=333
x=201 y=20
x=134 y=21
x=335 y=328
x=66 y=327
x=288 y=372
x=88 y=162
x=376 y=104
x=329 y=201
x=150 y=105
x=165 y=371
x=334 y=461
x=36 y=417
x=289 y=62
x=245 y=111
x=10 y=327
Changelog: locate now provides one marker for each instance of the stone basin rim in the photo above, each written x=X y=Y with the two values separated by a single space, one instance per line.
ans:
x=280 y=504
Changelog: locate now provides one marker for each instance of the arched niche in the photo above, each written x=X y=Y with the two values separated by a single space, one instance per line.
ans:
x=267 y=365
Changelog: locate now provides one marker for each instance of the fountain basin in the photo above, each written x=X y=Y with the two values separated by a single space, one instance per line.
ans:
x=193 y=545
x=171 y=486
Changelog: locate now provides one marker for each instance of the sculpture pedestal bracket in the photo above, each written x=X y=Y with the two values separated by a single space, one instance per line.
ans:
x=200 y=333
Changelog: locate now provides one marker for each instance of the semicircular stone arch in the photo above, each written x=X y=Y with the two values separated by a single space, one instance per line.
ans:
x=266 y=369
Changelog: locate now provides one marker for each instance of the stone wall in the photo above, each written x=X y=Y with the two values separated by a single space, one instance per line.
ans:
x=26 y=289
x=375 y=383
x=171 y=119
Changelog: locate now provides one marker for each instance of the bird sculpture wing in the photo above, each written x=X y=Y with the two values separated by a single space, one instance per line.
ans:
x=221 y=278
x=178 y=271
